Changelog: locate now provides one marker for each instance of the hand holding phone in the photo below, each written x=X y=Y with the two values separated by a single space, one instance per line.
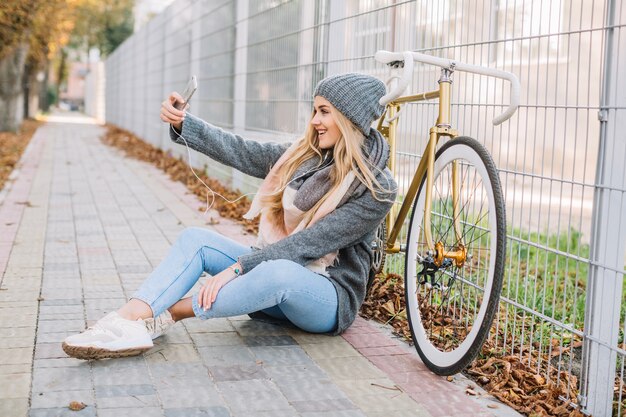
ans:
x=191 y=88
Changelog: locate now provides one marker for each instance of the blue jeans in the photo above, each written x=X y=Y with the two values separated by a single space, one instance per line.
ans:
x=280 y=288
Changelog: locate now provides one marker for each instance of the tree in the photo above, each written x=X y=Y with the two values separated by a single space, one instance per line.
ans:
x=102 y=24
x=31 y=31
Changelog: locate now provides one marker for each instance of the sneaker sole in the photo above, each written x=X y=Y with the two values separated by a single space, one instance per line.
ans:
x=90 y=352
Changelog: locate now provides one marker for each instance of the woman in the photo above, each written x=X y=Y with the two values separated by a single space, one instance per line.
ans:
x=320 y=202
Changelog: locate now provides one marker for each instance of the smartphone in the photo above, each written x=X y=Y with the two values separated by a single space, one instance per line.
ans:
x=191 y=88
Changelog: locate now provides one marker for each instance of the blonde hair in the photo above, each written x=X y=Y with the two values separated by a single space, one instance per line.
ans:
x=348 y=156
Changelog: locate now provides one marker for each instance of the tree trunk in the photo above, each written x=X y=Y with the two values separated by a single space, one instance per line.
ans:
x=44 y=102
x=61 y=73
x=11 y=97
x=32 y=88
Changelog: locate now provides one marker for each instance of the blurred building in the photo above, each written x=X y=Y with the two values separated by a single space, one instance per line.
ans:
x=73 y=92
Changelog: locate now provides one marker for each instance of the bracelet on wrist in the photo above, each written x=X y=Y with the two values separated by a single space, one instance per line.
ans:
x=235 y=269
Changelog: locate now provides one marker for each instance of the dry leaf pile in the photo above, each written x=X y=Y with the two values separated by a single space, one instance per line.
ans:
x=178 y=170
x=385 y=303
x=12 y=146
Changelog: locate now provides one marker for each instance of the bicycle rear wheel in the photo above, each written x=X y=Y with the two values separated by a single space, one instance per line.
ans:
x=450 y=303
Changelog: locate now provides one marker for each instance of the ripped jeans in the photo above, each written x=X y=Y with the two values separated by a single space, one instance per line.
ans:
x=280 y=288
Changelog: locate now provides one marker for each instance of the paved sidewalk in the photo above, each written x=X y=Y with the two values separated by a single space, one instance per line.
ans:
x=82 y=226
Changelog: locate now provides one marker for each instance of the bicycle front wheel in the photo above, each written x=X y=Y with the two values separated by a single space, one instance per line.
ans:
x=451 y=300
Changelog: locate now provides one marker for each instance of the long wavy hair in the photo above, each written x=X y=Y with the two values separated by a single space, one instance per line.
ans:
x=348 y=154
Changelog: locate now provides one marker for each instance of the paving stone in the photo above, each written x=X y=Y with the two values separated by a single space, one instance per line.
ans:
x=341 y=413
x=7 y=306
x=53 y=337
x=446 y=403
x=193 y=395
x=372 y=387
x=307 y=389
x=227 y=355
x=178 y=353
x=403 y=413
x=88 y=411
x=130 y=412
x=176 y=334
x=195 y=325
x=295 y=372
x=281 y=355
x=18 y=321
x=350 y=368
x=247 y=327
x=253 y=395
x=13 y=356
x=399 y=363
x=14 y=407
x=56 y=326
x=61 y=379
x=216 y=339
x=274 y=413
x=49 y=351
x=60 y=309
x=198 y=412
x=61 y=294
x=400 y=401
x=147 y=268
x=126 y=396
x=19 y=332
x=22 y=368
x=114 y=371
x=169 y=373
x=59 y=363
x=73 y=301
x=59 y=399
x=237 y=372
x=14 y=385
x=66 y=316
x=330 y=350
x=283 y=340
x=382 y=351
x=333 y=405
x=17 y=342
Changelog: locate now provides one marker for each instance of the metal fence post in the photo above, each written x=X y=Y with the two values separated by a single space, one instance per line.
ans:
x=604 y=298
x=240 y=77
x=241 y=65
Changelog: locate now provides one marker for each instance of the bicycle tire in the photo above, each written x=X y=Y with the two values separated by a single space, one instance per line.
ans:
x=438 y=351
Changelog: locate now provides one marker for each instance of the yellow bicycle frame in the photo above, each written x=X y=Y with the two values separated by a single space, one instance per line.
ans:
x=425 y=168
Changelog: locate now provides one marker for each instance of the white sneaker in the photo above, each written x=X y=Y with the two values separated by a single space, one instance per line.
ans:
x=159 y=325
x=111 y=337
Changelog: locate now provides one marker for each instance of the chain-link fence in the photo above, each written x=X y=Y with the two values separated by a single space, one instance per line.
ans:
x=561 y=157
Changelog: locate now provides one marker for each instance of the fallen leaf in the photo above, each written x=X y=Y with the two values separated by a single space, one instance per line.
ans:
x=492 y=405
x=77 y=405
x=470 y=391
x=450 y=379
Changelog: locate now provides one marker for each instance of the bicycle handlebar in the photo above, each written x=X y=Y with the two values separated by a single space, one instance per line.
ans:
x=409 y=57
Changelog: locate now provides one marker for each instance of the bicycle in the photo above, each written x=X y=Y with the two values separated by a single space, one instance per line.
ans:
x=455 y=252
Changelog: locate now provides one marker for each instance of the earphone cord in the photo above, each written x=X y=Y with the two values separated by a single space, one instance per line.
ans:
x=210 y=191
x=323 y=165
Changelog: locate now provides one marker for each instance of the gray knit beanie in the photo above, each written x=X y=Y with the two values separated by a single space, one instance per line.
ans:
x=355 y=95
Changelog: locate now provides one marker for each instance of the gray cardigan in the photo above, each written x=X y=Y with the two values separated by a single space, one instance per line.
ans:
x=349 y=228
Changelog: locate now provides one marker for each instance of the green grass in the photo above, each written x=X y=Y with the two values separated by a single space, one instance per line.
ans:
x=541 y=275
